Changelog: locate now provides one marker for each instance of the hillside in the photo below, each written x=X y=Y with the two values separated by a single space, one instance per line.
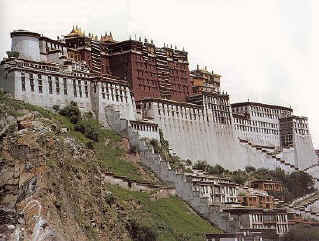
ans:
x=52 y=184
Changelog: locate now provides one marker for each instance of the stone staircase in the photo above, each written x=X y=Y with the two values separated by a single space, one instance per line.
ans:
x=275 y=156
x=184 y=189
x=306 y=206
x=183 y=183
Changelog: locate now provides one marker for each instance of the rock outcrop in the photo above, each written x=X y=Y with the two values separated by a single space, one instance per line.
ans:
x=50 y=185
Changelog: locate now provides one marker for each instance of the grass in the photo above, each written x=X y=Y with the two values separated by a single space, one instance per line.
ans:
x=110 y=156
x=170 y=218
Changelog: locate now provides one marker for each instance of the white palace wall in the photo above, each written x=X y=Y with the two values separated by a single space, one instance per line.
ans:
x=193 y=132
x=304 y=152
x=202 y=139
x=207 y=132
x=117 y=96
x=86 y=92
x=44 y=98
x=197 y=139
x=27 y=46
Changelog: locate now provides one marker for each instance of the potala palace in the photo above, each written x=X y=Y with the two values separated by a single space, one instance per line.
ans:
x=152 y=88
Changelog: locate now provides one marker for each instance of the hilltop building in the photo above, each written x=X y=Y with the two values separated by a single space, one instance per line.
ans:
x=204 y=81
x=152 y=88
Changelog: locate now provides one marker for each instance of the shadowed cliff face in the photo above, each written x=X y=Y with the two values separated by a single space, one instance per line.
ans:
x=49 y=187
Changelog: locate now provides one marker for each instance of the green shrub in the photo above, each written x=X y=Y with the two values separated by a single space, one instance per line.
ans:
x=56 y=108
x=71 y=111
x=156 y=145
x=133 y=149
x=302 y=232
x=109 y=198
x=215 y=170
x=139 y=232
x=188 y=162
x=250 y=169
x=164 y=143
x=90 y=145
x=90 y=128
x=239 y=179
x=13 y=54
x=200 y=165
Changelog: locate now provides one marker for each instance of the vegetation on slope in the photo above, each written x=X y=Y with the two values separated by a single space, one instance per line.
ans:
x=168 y=218
x=68 y=167
x=302 y=232
x=289 y=180
x=162 y=148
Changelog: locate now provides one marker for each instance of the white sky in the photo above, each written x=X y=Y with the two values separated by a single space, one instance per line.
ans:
x=266 y=50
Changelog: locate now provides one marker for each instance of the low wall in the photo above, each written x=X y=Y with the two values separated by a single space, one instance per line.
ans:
x=184 y=190
x=249 y=154
x=157 y=190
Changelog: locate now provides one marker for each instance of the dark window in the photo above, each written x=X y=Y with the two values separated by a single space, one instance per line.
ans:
x=86 y=91
x=74 y=89
x=40 y=85
x=23 y=81
x=31 y=82
x=57 y=85
x=80 y=88
x=50 y=84
x=65 y=86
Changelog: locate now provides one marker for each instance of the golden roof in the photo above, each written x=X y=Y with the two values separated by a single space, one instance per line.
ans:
x=76 y=31
x=107 y=38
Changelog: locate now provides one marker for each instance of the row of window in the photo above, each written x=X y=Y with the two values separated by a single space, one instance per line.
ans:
x=256 y=129
x=300 y=125
x=216 y=100
x=77 y=88
x=37 y=66
x=264 y=115
x=216 y=190
x=144 y=127
x=219 y=107
x=261 y=111
x=86 y=90
x=255 y=123
x=217 y=118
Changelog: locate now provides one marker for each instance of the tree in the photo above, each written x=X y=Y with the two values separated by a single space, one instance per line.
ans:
x=140 y=232
x=56 y=108
x=200 y=165
x=71 y=111
x=188 y=162
x=239 y=179
x=262 y=173
x=13 y=54
x=215 y=170
x=250 y=169
x=164 y=143
x=304 y=181
x=302 y=232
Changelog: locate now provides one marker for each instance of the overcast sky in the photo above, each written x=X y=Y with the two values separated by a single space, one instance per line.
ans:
x=266 y=50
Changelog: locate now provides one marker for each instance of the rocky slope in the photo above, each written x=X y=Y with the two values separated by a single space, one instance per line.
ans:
x=51 y=187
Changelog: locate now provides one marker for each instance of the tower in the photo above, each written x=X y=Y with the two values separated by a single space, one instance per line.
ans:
x=26 y=43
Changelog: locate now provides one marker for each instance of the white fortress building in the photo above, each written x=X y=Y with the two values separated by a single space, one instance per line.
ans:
x=152 y=88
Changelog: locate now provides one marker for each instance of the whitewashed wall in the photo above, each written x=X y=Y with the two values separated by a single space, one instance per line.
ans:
x=27 y=46
x=126 y=106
